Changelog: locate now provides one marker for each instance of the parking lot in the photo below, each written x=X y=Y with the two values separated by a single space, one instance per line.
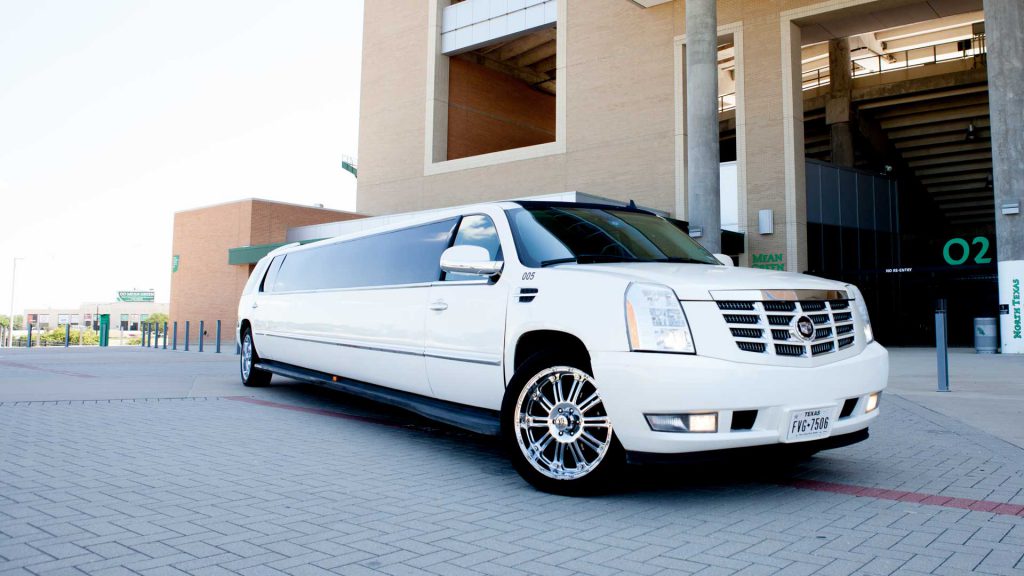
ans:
x=137 y=461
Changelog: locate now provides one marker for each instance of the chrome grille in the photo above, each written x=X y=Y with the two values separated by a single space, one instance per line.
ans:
x=764 y=327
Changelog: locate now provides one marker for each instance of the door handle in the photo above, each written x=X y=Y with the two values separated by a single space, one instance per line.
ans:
x=439 y=306
x=255 y=305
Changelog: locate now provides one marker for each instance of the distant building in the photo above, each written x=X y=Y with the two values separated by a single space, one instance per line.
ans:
x=124 y=316
x=215 y=249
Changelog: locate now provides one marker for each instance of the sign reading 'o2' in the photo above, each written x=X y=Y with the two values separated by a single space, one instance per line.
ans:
x=957 y=251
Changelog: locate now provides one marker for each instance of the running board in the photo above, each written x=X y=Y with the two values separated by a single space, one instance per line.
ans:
x=479 y=420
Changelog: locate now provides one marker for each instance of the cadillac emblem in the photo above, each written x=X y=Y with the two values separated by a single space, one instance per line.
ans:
x=803 y=329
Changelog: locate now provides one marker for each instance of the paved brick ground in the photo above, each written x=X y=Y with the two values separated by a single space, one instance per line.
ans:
x=216 y=486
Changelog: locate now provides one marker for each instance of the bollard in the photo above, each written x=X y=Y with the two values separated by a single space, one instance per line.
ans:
x=218 y=337
x=202 y=335
x=67 y=335
x=165 y=335
x=156 y=334
x=29 y=342
x=187 y=330
x=941 y=345
x=174 y=341
x=142 y=340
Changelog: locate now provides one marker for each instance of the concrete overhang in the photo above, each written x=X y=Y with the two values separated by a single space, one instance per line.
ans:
x=471 y=24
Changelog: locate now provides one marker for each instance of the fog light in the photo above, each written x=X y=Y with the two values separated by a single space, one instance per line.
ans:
x=872 y=402
x=706 y=422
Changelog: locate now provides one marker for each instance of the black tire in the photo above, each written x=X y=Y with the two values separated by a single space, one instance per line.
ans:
x=523 y=426
x=253 y=377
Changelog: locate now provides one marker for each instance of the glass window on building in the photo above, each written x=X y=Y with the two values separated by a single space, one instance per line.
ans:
x=44 y=321
x=135 y=322
x=76 y=319
x=124 y=321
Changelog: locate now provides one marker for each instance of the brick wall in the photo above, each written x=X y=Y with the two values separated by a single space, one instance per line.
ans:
x=489 y=111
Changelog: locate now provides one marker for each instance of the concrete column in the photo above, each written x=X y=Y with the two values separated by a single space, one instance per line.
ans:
x=837 y=107
x=702 y=160
x=1004 y=28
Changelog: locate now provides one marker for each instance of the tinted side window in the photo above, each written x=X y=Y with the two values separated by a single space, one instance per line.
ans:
x=408 y=256
x=476 y=230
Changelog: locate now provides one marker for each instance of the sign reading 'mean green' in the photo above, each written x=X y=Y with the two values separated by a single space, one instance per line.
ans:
x=135 y=296
x=768 y=261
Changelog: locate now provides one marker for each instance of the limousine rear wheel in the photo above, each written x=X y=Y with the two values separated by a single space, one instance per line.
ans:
x=251 y=376
x=557 y=431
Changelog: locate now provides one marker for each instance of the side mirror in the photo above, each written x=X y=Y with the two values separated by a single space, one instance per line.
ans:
x=724 y=259
x=473 y=260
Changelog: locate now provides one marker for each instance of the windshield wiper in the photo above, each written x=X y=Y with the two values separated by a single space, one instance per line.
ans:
x=684 y=260
x=592 y=259
x=556 y=261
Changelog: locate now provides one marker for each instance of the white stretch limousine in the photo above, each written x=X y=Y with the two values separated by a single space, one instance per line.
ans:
x=584 y=335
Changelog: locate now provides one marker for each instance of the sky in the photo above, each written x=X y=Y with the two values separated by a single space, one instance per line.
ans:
x=114 y=114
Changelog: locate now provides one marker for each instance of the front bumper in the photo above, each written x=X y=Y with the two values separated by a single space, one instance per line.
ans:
x=634 y=383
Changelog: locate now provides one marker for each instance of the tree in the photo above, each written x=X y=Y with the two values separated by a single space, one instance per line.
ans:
x=19 y=321
x=55 y=337
x=158 y=318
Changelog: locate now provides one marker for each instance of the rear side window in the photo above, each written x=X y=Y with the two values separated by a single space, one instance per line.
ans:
x=408 y=256
x=256 y=278
x=267 y=284
x=476 y=230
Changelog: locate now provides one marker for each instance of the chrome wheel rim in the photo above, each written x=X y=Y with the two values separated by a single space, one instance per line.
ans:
x=246 y=357
x=562 y=427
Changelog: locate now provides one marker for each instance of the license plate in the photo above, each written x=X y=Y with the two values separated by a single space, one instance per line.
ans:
x=809 y=424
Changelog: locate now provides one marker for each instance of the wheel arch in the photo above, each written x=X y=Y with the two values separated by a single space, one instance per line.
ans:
x=534 y=341
x=243 y=325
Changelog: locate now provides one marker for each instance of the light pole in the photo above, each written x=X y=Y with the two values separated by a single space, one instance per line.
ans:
x=10 y=321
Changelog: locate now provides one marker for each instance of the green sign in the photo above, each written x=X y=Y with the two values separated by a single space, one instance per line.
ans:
x=1015 y=301
x=174 y=263
x=768 y=261
x=135 y=296
x=957 y=251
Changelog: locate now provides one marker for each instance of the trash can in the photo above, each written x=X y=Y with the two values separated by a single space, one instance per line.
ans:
x=985 y=335
x=104 y=330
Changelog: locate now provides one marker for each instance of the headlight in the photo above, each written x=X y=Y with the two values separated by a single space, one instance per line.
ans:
x=655 y=320
x=862 y=311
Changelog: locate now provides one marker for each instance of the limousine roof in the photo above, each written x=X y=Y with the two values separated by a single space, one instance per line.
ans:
x=382 y=224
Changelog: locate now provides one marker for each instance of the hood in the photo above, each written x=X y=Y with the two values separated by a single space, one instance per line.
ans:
x=697 y=281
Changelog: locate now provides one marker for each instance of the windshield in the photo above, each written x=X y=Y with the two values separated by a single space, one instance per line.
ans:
x=550 y=235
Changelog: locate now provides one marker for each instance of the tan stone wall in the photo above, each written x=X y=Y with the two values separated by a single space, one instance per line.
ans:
x=490 y=111
x=620 y=115
x=206 y=287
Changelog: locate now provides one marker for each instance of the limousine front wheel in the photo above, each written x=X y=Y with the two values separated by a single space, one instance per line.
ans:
x=558 y=432
x=251 y=375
